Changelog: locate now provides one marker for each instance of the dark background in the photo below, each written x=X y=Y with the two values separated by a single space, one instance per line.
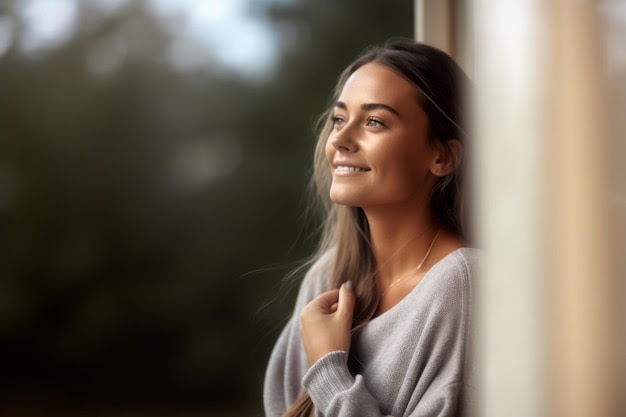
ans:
x=148 y=217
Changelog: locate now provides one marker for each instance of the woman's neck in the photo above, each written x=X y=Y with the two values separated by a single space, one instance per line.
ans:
x=400 y=236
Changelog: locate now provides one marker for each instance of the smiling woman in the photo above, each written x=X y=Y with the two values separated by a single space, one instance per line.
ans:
x=382 y=321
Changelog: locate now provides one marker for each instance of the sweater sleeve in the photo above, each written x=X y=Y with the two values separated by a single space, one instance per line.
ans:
x=336 y=393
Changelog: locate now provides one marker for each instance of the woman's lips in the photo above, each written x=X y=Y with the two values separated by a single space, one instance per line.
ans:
x=349 y=170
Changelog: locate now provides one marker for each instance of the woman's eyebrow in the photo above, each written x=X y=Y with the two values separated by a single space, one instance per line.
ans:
x=369 y=106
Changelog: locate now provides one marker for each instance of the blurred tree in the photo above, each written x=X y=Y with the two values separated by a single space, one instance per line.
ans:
x=136 y=202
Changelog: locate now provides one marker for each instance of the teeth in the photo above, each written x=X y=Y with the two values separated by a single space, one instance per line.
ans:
x=349 y=169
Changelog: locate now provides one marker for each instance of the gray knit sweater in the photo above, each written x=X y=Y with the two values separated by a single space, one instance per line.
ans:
x=412 y=360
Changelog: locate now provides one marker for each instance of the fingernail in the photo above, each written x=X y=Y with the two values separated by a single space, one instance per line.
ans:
x=349 y=285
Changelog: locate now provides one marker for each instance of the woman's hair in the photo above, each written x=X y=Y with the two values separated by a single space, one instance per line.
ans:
x=441 y=84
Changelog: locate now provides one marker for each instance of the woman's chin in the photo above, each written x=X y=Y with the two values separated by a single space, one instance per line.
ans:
x=346 y=199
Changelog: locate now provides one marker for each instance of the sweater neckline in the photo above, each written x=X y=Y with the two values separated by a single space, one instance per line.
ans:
x=419 y=285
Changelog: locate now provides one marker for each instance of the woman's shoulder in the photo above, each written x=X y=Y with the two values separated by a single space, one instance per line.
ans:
x=460 y=263
x=453 y=278
x=454 y=256
x=469 y=258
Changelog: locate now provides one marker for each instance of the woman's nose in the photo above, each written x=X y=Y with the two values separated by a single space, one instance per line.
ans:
x=344 y=140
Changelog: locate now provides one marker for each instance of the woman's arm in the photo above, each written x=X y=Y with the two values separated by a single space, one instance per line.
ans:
x=288 y=361
x=336 y=393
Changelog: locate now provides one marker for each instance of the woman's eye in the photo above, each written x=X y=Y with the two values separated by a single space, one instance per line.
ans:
x=373 y=122
x=337 y=121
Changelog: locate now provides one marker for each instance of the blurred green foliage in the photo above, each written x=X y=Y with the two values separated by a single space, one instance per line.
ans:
x=142 y=212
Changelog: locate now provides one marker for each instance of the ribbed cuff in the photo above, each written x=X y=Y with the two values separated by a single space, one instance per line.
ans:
x=327 y=377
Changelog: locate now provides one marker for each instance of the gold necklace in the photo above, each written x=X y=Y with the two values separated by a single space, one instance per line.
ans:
x=394 y=283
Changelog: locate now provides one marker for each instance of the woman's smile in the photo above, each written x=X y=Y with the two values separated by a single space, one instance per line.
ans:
x=348 y=170
x=345 y=168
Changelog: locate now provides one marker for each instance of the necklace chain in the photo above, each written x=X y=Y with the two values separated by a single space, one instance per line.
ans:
x=394 y=283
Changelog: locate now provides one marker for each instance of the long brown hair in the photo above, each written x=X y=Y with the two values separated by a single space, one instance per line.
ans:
x=345 y=230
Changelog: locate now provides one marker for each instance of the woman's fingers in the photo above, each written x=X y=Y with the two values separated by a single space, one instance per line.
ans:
x=326 y=300
x=346 y=301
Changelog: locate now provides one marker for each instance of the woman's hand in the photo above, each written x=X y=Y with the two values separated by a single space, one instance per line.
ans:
x=326 y=323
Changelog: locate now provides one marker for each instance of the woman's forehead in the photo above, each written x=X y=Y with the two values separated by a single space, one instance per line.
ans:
x=375 y=82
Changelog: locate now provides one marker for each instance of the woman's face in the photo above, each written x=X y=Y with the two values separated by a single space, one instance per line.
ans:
x=378 y=150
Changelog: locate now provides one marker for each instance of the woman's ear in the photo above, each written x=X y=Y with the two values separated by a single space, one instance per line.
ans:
x=447 y=158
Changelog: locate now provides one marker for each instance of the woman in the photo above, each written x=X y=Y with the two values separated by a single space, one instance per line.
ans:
x=382 y=320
